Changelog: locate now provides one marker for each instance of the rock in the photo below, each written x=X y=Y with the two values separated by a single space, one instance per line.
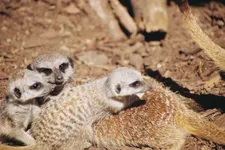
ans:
x=35 y=42
x=220 y=23
x=136 y=60
x=72 y=9
x=50 y=34
x=93 y=58
x=3 y=76
x=136 y=47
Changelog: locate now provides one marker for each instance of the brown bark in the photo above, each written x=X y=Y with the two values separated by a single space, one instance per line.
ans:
x=103 y=11
x=125 y=19
x=150 y=15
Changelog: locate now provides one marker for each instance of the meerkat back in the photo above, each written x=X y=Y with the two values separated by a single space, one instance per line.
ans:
x=73 y=113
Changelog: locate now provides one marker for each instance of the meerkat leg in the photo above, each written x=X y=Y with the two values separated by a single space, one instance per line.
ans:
x=23 y=136
x=35 y=111
x=28 y=118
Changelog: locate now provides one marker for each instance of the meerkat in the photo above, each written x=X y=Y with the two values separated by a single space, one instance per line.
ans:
x=74 y=112
x=56 y=68
x=19 y=108
x=214 y=51
x=163 y=121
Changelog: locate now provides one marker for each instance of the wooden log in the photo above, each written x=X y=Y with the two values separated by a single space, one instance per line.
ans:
x=103 y=11
x=122 y=14
x=150 y=15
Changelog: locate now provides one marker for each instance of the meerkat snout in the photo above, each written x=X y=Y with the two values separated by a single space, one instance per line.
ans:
x=27 y=85
x=124 y=82
x=55 y=68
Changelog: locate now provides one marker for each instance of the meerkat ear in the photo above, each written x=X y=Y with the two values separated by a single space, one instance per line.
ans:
x=29 y=67
x=71 y=62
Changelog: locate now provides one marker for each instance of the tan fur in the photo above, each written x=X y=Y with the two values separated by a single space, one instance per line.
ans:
x=6 y=147
x=214 y=51
x=72 y=114
x=163 y=122
x=18 y=112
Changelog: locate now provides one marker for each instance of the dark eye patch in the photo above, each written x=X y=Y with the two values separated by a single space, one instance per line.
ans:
x=135 y=84
x=17 y=92
x=118 y=89
x=46 y=71
x=36 y=86
x=63 y=66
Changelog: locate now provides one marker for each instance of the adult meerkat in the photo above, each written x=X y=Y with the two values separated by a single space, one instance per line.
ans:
x=55 y=68
x=163 y=122
x=19 y=108
x=72 y=114
x=214 y=51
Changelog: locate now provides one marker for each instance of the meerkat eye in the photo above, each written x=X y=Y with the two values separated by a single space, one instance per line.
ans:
x=46 y=71
x=118 y=89
x=17 y=92
x=135 y=84
x=63 y=66
x=36 y=86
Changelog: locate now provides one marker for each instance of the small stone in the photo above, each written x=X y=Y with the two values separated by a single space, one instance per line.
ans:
x=93 y=58
x=220 y=23
x=154 y=43
x=137 y=61
x=4 y=28
x=72 y=9
x=158 y=66
x=8 y=40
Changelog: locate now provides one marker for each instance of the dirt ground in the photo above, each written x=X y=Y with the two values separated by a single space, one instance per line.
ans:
x=32 y=27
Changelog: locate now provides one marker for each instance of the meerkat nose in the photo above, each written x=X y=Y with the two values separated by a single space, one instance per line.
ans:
x=59 y=79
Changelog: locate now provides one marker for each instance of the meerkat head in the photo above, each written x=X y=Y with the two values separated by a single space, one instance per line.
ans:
x=26 y=85
x=125 y=82
x=55 y=68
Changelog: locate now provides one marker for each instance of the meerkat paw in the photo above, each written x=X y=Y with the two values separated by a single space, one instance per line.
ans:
x=24 y=137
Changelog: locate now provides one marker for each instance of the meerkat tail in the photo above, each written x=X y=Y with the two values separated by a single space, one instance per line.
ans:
x=6 y=147
x=194 y=124
x=214 y=51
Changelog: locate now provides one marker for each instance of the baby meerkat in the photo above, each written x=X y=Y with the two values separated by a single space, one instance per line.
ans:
x=56 y=68
x=163 y=122
x=72 y=114
x=19 y=108
x=214 y=51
